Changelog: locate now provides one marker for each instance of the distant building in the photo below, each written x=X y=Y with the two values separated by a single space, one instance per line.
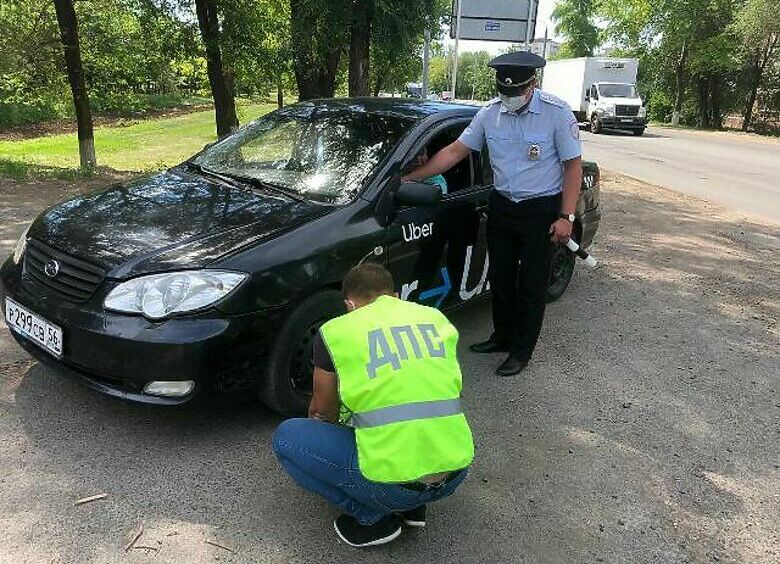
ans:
x=538 y=47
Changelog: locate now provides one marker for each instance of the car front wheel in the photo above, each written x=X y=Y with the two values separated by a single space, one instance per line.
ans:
x=595 y=124
x=287 y=385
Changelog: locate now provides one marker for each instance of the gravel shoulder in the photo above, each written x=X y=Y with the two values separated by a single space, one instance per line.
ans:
x=645 y=430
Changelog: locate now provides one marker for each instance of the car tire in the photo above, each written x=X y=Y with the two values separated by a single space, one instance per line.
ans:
x=595 y=124
x=561 y=270
x=638 y=132
x=286 y=386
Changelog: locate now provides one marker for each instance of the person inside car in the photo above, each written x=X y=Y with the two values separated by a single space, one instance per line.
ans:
x=386 y=432
x=437 y=179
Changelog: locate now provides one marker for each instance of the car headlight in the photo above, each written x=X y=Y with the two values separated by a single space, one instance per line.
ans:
x=21 y=245
x=159 y=295
x=609 y=110
x=642 y=111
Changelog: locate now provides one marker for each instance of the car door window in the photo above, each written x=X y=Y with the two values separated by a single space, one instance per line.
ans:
x=438 y=255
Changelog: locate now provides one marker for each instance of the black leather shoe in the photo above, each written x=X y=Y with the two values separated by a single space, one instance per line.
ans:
x=489 y=346
x=511 y=366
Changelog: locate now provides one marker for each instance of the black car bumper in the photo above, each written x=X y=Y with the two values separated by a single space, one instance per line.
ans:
x=617 y=122
x=119 y=354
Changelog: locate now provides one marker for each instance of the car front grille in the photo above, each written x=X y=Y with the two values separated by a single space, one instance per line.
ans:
x=626 y=110
x=75 y=279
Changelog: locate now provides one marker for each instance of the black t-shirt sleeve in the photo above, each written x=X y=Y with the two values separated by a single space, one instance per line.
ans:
x=322 y=359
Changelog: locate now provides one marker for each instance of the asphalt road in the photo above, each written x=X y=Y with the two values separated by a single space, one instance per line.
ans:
x=735 y=171
x=645 y=429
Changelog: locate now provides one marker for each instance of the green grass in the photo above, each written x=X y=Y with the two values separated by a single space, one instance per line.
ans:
x=142 y=146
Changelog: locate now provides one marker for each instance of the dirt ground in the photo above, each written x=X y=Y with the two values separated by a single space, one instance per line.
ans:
x=646 y=429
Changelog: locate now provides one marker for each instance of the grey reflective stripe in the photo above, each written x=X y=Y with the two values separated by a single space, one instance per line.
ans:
x=406 y=412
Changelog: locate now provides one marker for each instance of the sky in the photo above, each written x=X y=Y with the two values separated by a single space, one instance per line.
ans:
x=494 y=47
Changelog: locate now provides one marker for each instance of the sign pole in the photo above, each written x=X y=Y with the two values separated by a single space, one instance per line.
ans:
x=426 y=63
x=455 y=57
x=528 y=24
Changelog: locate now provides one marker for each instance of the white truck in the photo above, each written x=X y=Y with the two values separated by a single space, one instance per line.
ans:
x=600 y=90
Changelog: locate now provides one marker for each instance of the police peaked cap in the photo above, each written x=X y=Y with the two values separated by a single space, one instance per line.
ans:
x=515 y=70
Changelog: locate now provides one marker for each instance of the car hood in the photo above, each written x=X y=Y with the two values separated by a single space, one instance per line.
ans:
x=170 y=221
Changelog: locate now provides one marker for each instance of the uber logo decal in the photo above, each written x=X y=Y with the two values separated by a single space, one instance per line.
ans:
x=412 y=232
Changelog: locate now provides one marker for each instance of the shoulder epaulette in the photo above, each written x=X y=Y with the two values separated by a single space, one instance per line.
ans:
x=550 y=99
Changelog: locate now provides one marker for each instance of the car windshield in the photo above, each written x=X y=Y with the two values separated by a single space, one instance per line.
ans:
x=322 y=153
x=617 y=91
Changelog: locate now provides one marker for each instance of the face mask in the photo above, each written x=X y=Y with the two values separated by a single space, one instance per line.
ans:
x=350 y=305
x=514 y=103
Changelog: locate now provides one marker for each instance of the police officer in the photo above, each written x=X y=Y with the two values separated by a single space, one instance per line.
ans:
x=389 y=369
x=533 y=140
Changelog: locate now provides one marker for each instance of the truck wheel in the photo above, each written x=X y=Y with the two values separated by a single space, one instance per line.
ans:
x=561 y=271
x=595 y=124
x=287 y=384
x=639 y=132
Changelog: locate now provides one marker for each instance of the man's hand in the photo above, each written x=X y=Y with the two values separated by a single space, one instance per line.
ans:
x=442 y=161
x=325 y=401
x=560 y=231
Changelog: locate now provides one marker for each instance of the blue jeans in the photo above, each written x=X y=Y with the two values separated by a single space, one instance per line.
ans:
x=322 y=458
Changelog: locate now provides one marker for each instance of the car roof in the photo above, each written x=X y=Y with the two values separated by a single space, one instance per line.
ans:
x=413 y=108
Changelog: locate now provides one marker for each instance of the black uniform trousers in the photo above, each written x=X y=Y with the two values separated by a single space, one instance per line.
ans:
x=520 y=232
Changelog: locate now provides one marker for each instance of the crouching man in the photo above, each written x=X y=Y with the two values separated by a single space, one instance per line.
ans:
x=386 y=433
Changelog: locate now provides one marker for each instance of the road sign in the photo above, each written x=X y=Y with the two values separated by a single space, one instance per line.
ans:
x=494 y=20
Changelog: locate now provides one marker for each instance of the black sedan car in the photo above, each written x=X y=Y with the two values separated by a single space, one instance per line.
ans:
x=214 y=275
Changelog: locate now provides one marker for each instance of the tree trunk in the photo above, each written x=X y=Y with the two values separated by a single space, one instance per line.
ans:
x=758 y=74
x=69 y=34
x=279 y=90
x=359 y=47
x=315 y=73
x=751 y=101
x=378 y=85
x=704 y=110
x=679 y=89
x=221 y=81
x=716 y=117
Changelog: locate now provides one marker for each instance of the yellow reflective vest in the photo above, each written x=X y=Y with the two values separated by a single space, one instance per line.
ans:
x=399 y=377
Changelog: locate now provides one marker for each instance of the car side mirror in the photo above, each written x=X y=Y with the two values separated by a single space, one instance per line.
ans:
x=418 y=194
x=587 y=95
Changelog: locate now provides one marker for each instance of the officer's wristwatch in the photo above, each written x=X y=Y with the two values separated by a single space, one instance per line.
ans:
x=569 y=216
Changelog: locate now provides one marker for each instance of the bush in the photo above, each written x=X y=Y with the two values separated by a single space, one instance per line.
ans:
x=660 y=106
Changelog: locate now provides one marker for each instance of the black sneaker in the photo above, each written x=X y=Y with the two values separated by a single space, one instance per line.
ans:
x=414 y=517
x=354 y=534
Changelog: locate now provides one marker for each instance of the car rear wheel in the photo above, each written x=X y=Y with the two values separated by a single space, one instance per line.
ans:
x=561 y=271
x=287 y=385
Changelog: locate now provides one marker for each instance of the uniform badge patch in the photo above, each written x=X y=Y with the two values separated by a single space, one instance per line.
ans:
x=574 y=127
x=534 y=151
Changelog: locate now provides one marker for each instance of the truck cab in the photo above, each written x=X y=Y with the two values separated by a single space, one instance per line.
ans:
x=615 y=105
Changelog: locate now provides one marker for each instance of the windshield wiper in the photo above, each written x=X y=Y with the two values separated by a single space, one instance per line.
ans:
x=233 y=179
x=268 y=185
x=208 y=172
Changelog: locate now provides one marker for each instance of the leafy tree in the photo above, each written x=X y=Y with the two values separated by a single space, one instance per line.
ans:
x=318 y=37
x=574 y=21
x=397 y=37
x=758 y=28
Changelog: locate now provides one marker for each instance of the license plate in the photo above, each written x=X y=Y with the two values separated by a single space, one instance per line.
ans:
x=629 y=120
x=44 y=334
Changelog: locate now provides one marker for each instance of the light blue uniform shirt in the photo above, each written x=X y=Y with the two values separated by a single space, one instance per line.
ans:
x=546 y=129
